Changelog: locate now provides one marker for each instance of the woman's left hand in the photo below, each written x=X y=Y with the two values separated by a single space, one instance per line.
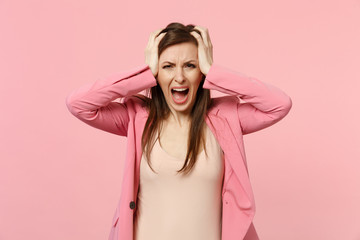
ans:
x=205 y=49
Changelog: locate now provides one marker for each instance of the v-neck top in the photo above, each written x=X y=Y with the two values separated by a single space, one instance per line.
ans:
x=177 y=207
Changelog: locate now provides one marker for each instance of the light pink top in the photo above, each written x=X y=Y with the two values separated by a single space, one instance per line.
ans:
x=180 y=207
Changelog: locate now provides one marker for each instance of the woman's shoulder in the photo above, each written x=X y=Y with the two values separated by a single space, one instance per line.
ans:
x=225 y=106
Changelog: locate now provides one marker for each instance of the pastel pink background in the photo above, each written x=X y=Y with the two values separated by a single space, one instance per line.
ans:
x=60 y=178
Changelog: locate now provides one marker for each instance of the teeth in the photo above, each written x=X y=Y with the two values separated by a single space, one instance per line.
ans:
x=179 y=89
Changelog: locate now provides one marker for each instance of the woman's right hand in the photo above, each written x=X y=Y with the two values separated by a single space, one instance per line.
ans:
x=151 y=51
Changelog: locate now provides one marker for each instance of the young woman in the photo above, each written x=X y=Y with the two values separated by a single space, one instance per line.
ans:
x=185 y=174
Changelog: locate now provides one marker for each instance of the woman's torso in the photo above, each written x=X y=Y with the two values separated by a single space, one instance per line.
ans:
x=174 y=206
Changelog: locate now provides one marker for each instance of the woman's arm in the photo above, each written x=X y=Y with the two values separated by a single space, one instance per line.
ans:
x=92 y=103
x=265 y=104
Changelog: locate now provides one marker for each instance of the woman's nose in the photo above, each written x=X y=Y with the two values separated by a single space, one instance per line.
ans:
x=179 y=75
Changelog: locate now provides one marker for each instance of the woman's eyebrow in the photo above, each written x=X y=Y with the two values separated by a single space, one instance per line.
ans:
x=192 y=60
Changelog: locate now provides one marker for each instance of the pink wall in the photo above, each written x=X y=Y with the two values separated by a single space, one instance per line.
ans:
x=60 y=179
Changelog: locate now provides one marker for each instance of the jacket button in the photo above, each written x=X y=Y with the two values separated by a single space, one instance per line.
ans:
x=132 y=204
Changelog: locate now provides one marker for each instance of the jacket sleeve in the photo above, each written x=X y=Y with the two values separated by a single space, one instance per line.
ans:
x=264 y=104
x=93 y=102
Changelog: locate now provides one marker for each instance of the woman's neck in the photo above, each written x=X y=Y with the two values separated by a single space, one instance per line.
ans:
x=179 y=119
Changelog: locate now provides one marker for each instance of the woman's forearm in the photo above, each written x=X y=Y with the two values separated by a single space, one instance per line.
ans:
x=265 y=103
x=100 y=93
x=92 y=103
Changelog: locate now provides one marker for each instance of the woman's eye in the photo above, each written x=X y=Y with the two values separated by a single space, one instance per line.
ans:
x=189 y=65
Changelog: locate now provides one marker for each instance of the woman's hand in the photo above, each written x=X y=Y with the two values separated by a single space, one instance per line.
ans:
x=205 y=49
x=151 y=51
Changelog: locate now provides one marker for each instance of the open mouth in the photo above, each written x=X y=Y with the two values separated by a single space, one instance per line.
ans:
x=179 y=94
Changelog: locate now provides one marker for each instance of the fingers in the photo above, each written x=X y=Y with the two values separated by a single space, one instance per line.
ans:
x=151 y=50
x=158 y=38
x=198 y=37
x=154 y=38
x=199 y=40
x=205 y=36
x=155 y=35
x=205 y=48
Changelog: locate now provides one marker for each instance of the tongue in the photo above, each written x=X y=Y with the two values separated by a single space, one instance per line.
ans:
x=179 y=95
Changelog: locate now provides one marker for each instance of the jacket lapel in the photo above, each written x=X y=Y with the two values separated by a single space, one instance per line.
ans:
x=140 y=125
x=226 y=139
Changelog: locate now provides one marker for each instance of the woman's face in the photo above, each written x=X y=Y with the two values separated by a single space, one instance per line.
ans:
x=179 y=69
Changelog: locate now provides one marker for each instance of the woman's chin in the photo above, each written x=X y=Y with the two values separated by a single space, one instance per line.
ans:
x=181 y=108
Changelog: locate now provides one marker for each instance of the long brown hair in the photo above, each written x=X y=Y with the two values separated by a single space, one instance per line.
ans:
x=159 y=109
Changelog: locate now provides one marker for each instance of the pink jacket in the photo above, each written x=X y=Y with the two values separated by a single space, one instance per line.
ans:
x=229 y=119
